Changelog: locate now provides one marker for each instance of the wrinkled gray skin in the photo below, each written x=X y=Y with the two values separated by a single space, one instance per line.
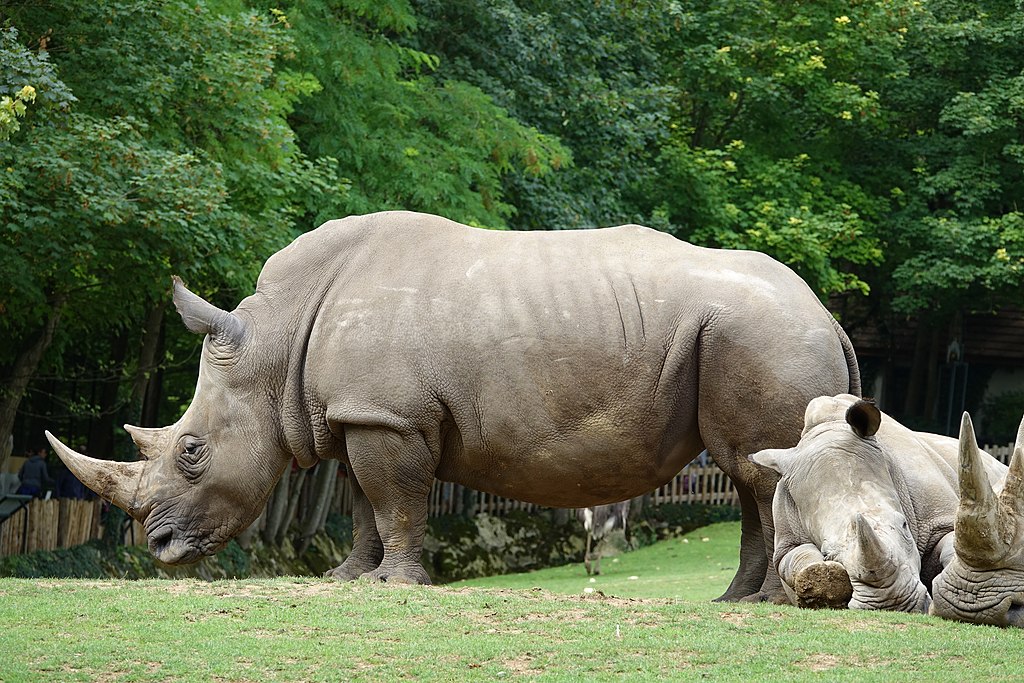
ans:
x=861 y=496
x=983 y=579
x=571 y=369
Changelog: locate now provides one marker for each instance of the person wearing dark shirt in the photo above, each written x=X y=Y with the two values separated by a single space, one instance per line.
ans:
x=68 y=485
x=34 y=476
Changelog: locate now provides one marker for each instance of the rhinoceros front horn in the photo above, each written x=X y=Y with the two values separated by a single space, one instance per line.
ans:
x=981 y=537
x=118 y=482
x=873 y=556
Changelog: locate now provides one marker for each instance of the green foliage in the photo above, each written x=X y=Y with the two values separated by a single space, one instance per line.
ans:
x=738 y=199
x=957 y=233
x=26 y=78
x=174 y=155
x=138 y=213
x=769 y=95
x=587 y=73
x=403 y=138
x=1002 y=416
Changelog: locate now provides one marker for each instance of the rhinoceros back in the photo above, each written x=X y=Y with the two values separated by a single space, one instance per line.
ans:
x=615 y=350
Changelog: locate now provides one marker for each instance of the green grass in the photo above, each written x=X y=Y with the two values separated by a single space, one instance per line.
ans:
x=313 y=630
x=698 y=566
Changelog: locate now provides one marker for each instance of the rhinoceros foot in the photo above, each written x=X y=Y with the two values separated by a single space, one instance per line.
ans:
x=343 y=573
x=398 y=574
x=823 y=585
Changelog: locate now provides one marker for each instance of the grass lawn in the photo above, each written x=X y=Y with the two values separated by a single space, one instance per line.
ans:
x=540 y=626
x=698 y=566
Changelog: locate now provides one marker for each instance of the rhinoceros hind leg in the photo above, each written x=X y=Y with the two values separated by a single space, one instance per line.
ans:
x=355 y=565
x=750 y=580
x=823 y=585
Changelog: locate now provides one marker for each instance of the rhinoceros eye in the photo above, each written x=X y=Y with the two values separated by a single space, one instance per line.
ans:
x=193 y=459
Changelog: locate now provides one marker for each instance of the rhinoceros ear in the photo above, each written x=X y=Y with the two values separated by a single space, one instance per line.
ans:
x=773 y=458
x=865 y=418
x=202 y=317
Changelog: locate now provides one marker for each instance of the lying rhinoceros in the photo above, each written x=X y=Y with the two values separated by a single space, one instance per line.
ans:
x=865 y=513
x=566 y=368
x=983 y=578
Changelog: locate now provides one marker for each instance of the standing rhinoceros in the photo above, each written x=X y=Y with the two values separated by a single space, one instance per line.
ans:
x=865 y=512
x=571 y=368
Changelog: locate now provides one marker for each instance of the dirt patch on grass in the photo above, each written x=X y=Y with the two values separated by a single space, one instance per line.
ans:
x=820 y=662
x=522 y=665
x=735 y=618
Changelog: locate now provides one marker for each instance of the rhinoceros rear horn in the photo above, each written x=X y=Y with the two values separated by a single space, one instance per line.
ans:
x=150 y=441
x=202 y=317
x=118 y=482
x=979 y=537
x=1012 y=496
x=864 y=417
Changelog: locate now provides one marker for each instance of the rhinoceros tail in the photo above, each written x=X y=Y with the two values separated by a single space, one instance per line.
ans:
x=851 y=358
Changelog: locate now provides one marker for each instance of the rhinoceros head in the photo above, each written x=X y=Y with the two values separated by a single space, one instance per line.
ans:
x=984 y=581
x=204 y=479
x=839 y=478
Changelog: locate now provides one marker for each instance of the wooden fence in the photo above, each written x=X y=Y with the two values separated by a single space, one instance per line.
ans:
x=695 y=484
x=50 y=524
x=61 y=523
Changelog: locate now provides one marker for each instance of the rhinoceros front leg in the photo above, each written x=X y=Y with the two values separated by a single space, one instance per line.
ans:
x=395 y=472
x=812 y=581
x=367 y=549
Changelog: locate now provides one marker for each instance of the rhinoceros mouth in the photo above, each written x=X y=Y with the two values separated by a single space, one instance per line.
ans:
x=169 y=549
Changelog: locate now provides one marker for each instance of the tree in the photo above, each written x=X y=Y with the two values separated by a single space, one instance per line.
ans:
x=176 y=158
x=403 y=138
x=586 y=73
x=953 y=168
x=24 y=78
x=772 y=101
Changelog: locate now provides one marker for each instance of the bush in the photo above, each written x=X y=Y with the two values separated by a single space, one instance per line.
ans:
x=659 y=522
x=455 y=548
x=1002 y=414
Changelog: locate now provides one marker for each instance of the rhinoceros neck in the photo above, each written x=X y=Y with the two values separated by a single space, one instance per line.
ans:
x=284 y=317
x=928 y=499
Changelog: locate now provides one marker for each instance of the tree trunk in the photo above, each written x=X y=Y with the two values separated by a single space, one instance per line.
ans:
x=154 y=391
x=293 y=505
x=931 y=392
x=316 y=511
x=276 y=507
x=22 y=371
x=101 y=428
x=913 y=400
x=146 y=372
